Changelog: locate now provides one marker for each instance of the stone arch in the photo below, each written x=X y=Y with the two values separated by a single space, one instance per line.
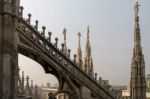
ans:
x=50 y=68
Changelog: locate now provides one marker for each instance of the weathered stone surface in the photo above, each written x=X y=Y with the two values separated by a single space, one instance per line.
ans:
x=8 y=49
x=137 y=82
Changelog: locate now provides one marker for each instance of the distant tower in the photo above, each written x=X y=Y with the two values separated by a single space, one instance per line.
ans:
x=137 y=81
x=79 y=52
x=88 y=61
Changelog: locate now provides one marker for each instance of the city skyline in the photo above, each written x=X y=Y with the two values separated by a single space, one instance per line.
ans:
x=111 y=33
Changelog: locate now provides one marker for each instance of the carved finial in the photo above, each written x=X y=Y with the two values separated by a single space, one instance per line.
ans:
x=49 y=37
x=96 y=76
x=136 y=9
x=74 y=60
x=27 y=78
x=79 y=52
x=31 y=83
x=36 y=24
x=23 y=77
x=69 y=51
x=22 y=80
x=21 y=11
x=56 y=42
x=62 y=45
x=32 y=88
x=22 y=83
x=29 y=18
x=88 y=38
x=36 y=90
x=100 y=79
x=79 y=35
x=43 y=32
x=22 y=74
x=64 y=32
x=88 y=30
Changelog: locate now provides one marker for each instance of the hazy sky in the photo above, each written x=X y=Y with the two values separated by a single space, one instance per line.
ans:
x=111 y=33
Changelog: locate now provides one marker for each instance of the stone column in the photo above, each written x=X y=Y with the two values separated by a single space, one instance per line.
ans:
x=8 y=48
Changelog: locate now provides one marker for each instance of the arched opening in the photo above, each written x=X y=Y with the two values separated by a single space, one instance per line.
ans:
x=47 y=83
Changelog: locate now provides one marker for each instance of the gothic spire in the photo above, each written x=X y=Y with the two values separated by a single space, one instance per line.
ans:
x=137 y=81
x=27 y=89
x=18 y=81
x=79 y=52
x=36 y=95
x=137 y=35
x=88 y=62
x=88 y=46
x=22 y=83
x=65 y=41
x=32 y=93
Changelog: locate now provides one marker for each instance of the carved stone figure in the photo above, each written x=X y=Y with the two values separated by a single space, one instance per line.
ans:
x=136 y=9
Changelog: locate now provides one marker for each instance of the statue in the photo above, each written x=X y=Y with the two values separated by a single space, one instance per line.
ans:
x=64 y=32
x=136 y=9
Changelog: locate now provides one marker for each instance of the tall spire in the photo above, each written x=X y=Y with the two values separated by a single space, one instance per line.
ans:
x=79 y=52
x=31 y=88
x=27 y=88
x=88 y=46
x=22 y=83
x=88 y=62
x=18 y=81
x=36 y=95
x=65 y=41
x=137 y=81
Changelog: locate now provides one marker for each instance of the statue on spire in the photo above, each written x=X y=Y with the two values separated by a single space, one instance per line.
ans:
x=65 y=44
x=64 y=32
x=136 y=9
x=137 y=78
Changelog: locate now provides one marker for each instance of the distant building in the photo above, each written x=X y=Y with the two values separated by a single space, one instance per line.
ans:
x=148 y=81
x=46 y=91
x=53 y=90
x=126 y=94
